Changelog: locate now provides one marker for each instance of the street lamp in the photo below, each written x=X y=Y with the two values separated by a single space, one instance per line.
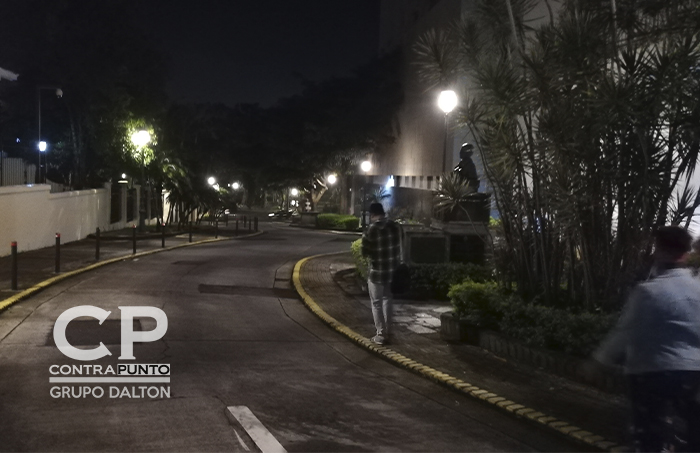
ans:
x=366 y=166
x=447 y=101
x=41 y=177
x=332 y=179
x=140 y=139
x=235 y=186
x=295 y=192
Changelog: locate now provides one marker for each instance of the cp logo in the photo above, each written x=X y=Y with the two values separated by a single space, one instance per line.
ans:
x=128 y=336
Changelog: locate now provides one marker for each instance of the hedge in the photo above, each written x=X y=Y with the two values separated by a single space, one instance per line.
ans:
x=485 y=305
x=429 y=281
x=361 y=263
x=338 y=222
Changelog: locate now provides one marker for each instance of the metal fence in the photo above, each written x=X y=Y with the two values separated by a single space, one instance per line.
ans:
x=15 y=171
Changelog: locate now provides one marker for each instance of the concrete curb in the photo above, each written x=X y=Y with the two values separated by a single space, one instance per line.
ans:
x=511 y=407
x=5 y=303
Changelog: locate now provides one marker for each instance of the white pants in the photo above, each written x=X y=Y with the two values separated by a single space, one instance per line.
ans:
x=381 y=298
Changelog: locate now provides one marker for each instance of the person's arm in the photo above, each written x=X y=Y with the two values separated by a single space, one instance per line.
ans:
x=367 y=247
x=612 y=350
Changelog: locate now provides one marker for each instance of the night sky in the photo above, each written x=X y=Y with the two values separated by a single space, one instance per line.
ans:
x=257 y=51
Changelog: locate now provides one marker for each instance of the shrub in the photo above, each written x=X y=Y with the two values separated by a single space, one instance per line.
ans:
x=556 y=329
x=433 y=281
x=361 y=263
x=478 y=302
x=487 y=306
x=350 y=222
x=338 y=221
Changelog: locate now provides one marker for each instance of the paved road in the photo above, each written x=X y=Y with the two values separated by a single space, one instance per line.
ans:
x=237 y=336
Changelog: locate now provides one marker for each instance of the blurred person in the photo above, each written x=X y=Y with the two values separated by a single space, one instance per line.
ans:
x=657 y=341
x=381 y=244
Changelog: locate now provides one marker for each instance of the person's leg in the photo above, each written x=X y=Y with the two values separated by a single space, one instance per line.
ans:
x=649 y=413
x=376 y=296
x=688 y=408
x=387 y=311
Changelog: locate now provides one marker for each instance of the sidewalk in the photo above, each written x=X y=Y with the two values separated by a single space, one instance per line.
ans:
x=415 y=335
x=37 y=266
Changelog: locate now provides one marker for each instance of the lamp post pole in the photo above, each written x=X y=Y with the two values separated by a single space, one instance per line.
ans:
x=40 y=176
x=447 y=101
x=444 y=147
x=366 y=166
x=140 y=139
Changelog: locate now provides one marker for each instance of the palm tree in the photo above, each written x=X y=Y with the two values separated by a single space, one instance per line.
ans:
x=586 y=133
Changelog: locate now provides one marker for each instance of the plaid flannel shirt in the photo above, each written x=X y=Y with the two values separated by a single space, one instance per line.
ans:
x=382 y=245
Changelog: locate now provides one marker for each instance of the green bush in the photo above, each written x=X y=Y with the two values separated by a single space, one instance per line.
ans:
x=487 y=306
x=556 y=329
x=338 y=222
x=361 y=263
x=480 y=303
x=433 y=281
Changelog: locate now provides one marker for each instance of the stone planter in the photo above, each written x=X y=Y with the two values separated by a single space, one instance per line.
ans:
x=455 y=330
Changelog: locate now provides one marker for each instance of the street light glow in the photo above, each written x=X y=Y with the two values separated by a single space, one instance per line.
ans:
x=236 y=186
x=447 y=101
x=140 y=138
x=123 y=175
x=332 y=179
x=42 y=146
x=295 y=192
x=366 y=166
x=211 y=180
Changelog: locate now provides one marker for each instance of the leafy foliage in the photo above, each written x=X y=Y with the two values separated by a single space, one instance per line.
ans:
x=589 y=130
x=485 y=305
x=338 y=222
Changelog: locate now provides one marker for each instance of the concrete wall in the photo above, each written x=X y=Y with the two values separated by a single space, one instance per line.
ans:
x=31 y=216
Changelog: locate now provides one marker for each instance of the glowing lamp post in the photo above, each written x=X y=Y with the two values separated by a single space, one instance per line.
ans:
x=365 y=166
x=41 y=145
x=140 y=139
x=447 y=101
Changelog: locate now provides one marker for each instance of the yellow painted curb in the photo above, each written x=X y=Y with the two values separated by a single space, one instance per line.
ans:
x=561 y=427
x=5 y=303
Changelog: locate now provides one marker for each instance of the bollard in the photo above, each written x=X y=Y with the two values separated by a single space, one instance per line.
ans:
x=216 y=228
x=13 y=248
x=162 y=236
x=97 y=244
x=133 y=235
x=190 y=231
x=57 y=267
x=256 y=224
x=236 y=227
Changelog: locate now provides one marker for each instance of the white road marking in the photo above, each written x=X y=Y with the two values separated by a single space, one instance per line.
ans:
x=264 y=440
x=241 y=441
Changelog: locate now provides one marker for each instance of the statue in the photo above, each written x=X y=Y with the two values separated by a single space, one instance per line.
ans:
x=465 y=169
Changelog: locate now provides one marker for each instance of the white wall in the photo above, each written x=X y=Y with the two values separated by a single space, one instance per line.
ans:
x=31 y=216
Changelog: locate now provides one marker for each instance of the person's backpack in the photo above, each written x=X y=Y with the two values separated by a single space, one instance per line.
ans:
x=401 y=279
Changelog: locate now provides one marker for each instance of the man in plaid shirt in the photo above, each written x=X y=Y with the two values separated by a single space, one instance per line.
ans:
x=381 y=244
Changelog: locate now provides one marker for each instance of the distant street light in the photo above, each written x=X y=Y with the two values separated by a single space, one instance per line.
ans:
x=332 y=179
x=211 y=180
x=41 y=175
x=235 y=186
x=366 y=166
x=295 y=192
x=447 y=101
x=140 y=139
